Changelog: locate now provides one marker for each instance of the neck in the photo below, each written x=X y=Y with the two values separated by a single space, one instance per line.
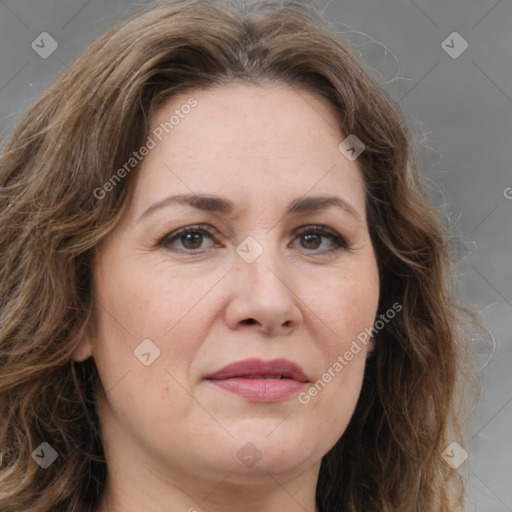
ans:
x=225 y=494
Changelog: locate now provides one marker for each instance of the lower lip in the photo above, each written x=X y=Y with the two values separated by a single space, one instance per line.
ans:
x=261 y=390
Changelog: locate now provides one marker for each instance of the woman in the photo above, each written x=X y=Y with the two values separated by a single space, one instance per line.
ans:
x=223 y=287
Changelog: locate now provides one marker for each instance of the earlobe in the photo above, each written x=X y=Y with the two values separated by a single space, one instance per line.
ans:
x=83 y=351
x=370 y=347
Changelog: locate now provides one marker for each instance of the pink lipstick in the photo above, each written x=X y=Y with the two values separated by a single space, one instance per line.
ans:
x=261 y=381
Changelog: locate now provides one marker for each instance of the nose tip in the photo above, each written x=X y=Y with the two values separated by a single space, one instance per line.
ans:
x=261 y=299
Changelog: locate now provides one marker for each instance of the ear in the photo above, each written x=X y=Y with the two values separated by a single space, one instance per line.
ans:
x=370 y=347
x=83 y=351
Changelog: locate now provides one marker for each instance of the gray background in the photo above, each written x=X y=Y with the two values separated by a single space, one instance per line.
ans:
x=460 y=110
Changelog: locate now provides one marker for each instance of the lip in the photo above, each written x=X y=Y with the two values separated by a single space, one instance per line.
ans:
x=241 y=378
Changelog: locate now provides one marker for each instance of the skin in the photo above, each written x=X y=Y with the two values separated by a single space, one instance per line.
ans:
x=171 y=437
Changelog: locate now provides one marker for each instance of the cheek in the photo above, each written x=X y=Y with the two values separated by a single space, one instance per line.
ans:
x=346 y=307
x=151 y=299
x=137 y=303
x=138 y=395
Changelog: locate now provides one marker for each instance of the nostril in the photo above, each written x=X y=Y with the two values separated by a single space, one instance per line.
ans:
x=249 y=321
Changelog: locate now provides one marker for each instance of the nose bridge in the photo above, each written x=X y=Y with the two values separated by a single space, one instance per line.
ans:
x=263 y=298
x=264 y=279
x=264 y=271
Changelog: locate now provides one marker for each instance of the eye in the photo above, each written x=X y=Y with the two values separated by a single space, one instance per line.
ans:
x=320 y=239
x=190 y=239
x=200 y=238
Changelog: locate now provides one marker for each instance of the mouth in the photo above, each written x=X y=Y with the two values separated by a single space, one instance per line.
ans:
x=261 y=381
x=265 y=377
x=259 y=369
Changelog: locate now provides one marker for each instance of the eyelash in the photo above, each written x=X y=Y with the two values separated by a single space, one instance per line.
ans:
x=338 y=242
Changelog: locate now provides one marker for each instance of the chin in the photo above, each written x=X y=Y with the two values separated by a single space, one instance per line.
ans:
x=268 y=448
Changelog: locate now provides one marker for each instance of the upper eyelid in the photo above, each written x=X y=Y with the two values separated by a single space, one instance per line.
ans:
x=318 y=227
x=188 y=229
x=212 y=231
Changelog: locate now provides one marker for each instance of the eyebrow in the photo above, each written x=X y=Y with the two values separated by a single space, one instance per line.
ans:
x=225 y=206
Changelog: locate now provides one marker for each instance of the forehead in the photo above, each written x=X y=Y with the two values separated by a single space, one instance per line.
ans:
x=263 y=111
x=248 y=139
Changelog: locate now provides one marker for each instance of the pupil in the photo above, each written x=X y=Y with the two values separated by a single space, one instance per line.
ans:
x=311 y=241
x=192 y=240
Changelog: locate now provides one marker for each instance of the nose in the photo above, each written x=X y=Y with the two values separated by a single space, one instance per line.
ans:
x=262 y=297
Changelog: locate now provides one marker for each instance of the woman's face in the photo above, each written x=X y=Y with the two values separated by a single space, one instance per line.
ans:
x=246 y=240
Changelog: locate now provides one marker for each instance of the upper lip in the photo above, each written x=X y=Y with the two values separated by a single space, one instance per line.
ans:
x=257 y=367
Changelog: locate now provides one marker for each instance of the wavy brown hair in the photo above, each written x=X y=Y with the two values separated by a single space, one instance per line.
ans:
x=86 y=126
